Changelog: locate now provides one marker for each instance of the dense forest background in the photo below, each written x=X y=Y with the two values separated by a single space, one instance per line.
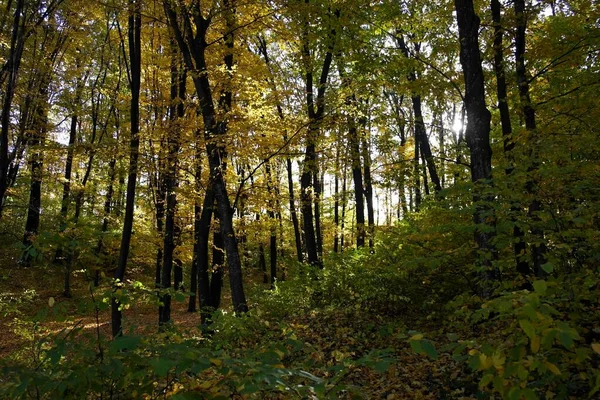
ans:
x=299 y=199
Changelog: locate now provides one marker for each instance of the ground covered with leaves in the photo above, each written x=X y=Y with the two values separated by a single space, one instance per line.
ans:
x=399 y=322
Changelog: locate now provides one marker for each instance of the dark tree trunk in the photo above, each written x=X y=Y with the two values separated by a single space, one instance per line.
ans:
x=366 y=153
x=318 y=194
x=294 y=214
x=538 y=248
x=59 y=257
x=64 y=209
x=134 y=36
x=262 y=46
x=105 y=220
x=262 y=262
x=336 y=202
x=519 y=246
x=218 y=264
x=35 y=189
x=417 y=177
x=316 y=110
x=12 y=66
x=159 y=206
x=306 y=200
x=192 y=43
x=421 y=138
x=478 y=140
x=344 y=201
x=202 y=220
x=176 y=113
x=273 y=228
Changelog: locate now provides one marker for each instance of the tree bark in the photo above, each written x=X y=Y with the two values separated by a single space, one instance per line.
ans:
x=134 y=36
x=421 y=138
x=478 y=140
x=538 y=250
x=519 y=246
x=192 y=43
x=13 y=65
x=176 y=113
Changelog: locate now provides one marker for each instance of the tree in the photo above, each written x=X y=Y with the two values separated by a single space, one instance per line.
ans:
x=134 y=30
x=190 y=27
x=478 y=138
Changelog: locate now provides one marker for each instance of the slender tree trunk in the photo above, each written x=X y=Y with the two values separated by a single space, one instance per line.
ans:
x=316 y=110
x=64 y=207
x=344 y=201
x=105 y=220
x=336 y=202
x=368 y=190
x=202 y=221
x=538 y=248
x=417 y=177
x=262 y=45
x=192 y=43
x=478 y=140
x=134 y=35
x=421 y=138
x=12 y=66
x=293 y=213
x=36 y=163
x=273 y=227
x=519 y=246
x=317 y=199
x=176 y=113
x=218 y=264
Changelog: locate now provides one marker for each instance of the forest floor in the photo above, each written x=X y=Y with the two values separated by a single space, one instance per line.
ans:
x=330 y=335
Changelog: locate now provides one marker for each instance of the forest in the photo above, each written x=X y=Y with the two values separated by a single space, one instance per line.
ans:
x=299 y=199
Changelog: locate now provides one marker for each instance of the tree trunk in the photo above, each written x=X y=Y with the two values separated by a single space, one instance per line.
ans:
x=294 y=214
x=12 y=66
x=176 y=113
x=273 y=227
x=366 y=153
x=192 y=43
x=478 y=140
x=344 y=200
x=421 y=138
x=218 y=263
x=538 y=248
x=134 y=36
x=202 y=220
x=336 y=202
x=519 y=246
x=416 y=205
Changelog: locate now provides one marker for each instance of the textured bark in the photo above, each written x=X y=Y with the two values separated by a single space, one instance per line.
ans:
x=478 y=139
